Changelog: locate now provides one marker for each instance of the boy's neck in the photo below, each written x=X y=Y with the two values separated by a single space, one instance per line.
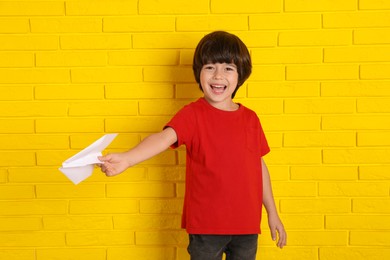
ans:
x=227 y=105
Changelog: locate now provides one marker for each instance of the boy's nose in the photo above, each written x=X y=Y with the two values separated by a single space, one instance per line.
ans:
x=218 y=74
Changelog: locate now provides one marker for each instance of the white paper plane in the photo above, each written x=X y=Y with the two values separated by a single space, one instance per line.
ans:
x=80 y=166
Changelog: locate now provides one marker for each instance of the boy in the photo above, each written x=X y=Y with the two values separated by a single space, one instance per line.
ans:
x=227 y=180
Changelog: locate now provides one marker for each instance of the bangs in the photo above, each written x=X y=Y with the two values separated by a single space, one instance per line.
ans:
x=220 y=53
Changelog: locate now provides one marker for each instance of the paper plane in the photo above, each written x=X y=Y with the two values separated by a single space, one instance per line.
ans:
x=80 y=166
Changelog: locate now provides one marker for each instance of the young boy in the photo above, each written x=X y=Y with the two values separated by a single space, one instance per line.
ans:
x=227 y=180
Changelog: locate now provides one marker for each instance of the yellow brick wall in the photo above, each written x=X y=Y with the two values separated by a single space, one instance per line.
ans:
x=71 y=71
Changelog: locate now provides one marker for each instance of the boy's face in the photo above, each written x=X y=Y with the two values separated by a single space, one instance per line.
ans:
x=218 y=81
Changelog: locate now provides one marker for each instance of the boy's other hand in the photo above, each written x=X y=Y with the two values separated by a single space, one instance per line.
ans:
x=277 y=230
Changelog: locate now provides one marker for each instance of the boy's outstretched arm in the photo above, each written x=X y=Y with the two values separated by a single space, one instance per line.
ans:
x=274 y=222
x=116 y=163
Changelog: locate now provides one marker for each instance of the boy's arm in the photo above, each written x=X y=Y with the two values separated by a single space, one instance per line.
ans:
x=115 y=163
x=274 y=222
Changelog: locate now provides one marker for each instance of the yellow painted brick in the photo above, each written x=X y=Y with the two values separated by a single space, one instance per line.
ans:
x=66 y=25
x=357 y=54
x=373 y=139
x=30 y=8
x=18 y=92
x=212 y=23
x=317 y=37
x=17 y=254
x=315 y=206
x=269 y=72
x=149 y=253
x=375 y=71
x=139 y=24
x=70 y=59
x=189 y=90
x=136 y=124
x=286 y=55
x=370 y=238
x=168 y=74
x=20 y=224
x=16 y=59
x=245 y=6
x=324 y=173
x=14 y=25
x=253 y=39
x=142 y=190
x=320 y=5
x=77 y=222
x=32 y=239
x=294 y=156
x=65 y=125
x=320 y=106
x=95 y=41
x=166 y=158
x=36 y=174
x=264 y=106
x=71 y=253
x=134 y=174
x=374 y=4
x=139 y=58
x=374 y=172
x=372 y=205
x=279 y=172
x=10 y=192
x=356 y=19
x=17 y=158
x=290 y=123
x=147 y=222
x=162 y=238
x=160 y=107
x=353 y=189
x=33 y=109
x=302 y=222
x=372 y=36
x=122 y=141
x=104 y=206
x=358 y=222
x=28 y=42
x=16 y=126
x=139 y=90
x=33 y=207
x=322 y=72
x=100 y=238
x=356 y=253
x=74 y=91
x=33 y=142
x=318 y=238
x=51 y=191
x=102 y=75
x=356 y=156
x=115 y=7
x=166 y=40
x=288 y=253
x=174 y=174
x=32 y=76
x=186 y=57
x=356 y=122
x=356 y=88
x=294 y=189
x=173 y=7
x=319 y=139
x=3 y=175
x=275 y=140
x=283 y=89
x=167 y=206
x=104 y=108
x=283 y=21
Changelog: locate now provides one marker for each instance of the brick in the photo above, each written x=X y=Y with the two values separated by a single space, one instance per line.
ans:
x=31 y=8
x=166 y=158
x=264 y=106
x=72 y=92
x=372 y=36
x=32 y=76
x=245 y=6
x=174 y=174
x=320 y=5
x=356 y=156
x=324 y=173
x=374 y=172
x=14 y=25
x=77 y=222
x=316 y=205
x=286 y=55
x=283 y=21
x=71 y=253
x=372 y=205
x=166 y=40
x=3 y=175
x=370 y=238
x=139 y=24
x=288 y=253
x=140 y=58
x=35 y=239
x=315 y=38
x=163 y=107
x=65 y=125
x=95 y=41
x=353 y=189
x=283 y=89
x=314 y=238
x=357 y=54
x=36 y=174
x=290 y=123
x=33 y=109
x=70 y=59
x=18 y=158
x=33 y=207
x=357 y=222
x=166 y=206
x=20 y=224
x=70 y=191
x=279 y=172
x=305 y=222
x=188 y=90
x=149 y=253
x=356 y=89
x=375 y=71
x=356 y=253
x=10 y=192
x=269 y=72
x=168 y=74
x=136 y=124
x=17 y=254
x=294 y=189
x=186 y=57
x=33 y=142
x=115 y=7
x=147 y=222
x=319 y=139
x=143 y=190
x=104 y=206
x=66 y=25
x=373 y=4
x=211 y=23
x=373 y=139
x=16 y=59
x=356 y=20
x=294 y=156
x=139 y=90
x=356 y=122
x=254 y=39
x=320 y=106
x=104 y=108
x=28 y=42
x=100 y=238
x=110 y=75
x=17 y=92
x=322 y=72
x=162 y=238
x=16 y=126
x=173 y=7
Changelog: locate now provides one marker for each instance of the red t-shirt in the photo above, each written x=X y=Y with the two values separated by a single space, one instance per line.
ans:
x=223 y=169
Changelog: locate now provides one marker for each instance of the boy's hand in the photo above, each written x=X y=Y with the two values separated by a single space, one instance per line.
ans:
x=277 y=229
x=113 y=164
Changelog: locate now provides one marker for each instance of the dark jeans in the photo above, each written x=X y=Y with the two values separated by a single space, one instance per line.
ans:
x=212 y=247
